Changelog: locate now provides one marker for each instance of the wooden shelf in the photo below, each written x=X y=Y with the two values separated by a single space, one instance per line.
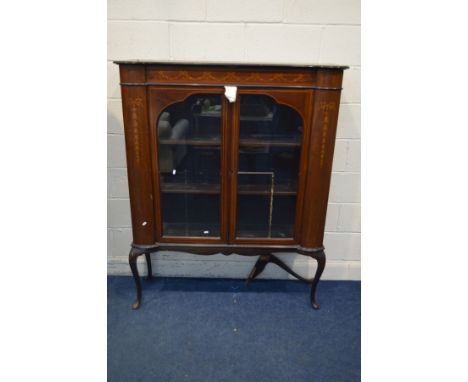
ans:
x=265 y=142
x=243 y=189
x=243 y=117
x=191 y=229
x=246 y=142
x=214 y=141
x=190 y=188
x=253 y=231
x=264 y=189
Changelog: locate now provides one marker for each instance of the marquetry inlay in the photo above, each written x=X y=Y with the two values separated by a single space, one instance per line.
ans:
x=325 y=108
x=230 y=76
x=136 y=103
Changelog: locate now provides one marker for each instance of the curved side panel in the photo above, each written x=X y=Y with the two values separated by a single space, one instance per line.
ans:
x=322 y=144
x=135 y=115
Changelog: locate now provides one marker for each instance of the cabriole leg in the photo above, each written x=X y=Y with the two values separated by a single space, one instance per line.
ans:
x=321 y=260
x=132 y=259
x=319 y=256
x=148 y=264
x=258 y=267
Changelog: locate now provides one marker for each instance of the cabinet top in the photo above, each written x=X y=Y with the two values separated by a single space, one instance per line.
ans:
x=232 y=64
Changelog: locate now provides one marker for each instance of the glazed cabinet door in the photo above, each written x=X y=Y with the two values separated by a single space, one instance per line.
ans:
x=268 y=157
x=188 y=139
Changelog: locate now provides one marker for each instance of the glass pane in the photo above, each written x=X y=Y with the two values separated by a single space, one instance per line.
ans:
x=189 y=166
x=270 y=137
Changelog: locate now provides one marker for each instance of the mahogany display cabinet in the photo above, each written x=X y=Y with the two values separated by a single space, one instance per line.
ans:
x=229 y=158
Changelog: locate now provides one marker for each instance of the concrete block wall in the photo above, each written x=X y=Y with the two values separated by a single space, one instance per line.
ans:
x=269 y=31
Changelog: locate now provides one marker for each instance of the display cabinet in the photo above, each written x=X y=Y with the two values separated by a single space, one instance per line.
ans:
x=229 y=158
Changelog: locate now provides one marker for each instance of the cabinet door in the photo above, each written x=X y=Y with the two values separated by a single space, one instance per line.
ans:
x=189 y=163
x=268 y=154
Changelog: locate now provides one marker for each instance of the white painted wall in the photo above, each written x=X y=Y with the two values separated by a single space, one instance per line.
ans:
x=274 y=31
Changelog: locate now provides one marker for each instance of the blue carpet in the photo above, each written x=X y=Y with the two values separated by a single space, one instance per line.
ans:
x=219 y=330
